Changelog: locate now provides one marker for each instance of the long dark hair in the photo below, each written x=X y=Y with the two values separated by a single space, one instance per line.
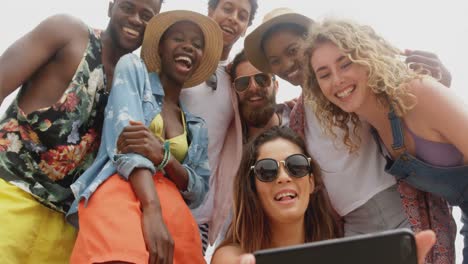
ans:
x=250 y=226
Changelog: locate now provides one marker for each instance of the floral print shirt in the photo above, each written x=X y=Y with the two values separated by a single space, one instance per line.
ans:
x=45 y=151
x=138 y=95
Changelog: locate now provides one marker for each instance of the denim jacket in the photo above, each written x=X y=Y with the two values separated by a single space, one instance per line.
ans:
x=138 y=95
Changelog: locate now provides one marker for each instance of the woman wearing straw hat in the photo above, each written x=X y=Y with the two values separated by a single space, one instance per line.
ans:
x=135 y=208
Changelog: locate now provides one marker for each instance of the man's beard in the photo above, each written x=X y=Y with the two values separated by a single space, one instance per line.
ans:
x=258 y=116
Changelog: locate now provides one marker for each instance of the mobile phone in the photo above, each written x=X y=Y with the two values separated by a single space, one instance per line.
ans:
x=388 y=247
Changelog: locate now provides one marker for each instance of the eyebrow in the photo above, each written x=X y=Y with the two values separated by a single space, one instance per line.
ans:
x=342 y=57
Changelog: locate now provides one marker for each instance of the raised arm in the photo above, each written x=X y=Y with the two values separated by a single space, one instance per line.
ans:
x=24 y=57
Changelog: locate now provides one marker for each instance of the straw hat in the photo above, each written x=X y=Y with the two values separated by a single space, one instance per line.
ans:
x=252 y=43
x=213 y=43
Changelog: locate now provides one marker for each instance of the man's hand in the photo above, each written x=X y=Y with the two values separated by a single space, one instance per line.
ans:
x=429 y=61
x=158 y=240
x=137 y=138
x=291 y=103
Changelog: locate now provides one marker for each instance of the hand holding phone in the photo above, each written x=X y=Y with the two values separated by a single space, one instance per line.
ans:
x=389 y=247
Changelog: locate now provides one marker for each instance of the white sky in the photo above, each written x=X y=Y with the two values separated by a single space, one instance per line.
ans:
x=433 y=25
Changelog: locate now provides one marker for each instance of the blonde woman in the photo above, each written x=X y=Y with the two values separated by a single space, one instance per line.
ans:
x=355 y=75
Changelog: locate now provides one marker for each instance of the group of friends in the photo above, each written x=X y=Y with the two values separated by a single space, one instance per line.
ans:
x=110 y=157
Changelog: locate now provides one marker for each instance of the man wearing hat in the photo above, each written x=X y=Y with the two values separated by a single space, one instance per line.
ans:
x=134 y=205
x=361 y=192
x=50 y=133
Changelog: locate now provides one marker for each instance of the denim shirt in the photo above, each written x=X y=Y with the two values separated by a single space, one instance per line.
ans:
x=138 y=95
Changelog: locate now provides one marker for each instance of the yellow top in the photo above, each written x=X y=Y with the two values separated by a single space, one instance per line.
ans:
x=178 y=145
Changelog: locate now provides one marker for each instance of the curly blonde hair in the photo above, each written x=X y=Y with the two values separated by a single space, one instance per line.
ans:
x=388 y=76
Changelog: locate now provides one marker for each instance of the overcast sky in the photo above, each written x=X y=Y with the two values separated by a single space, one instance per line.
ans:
x=432 y=25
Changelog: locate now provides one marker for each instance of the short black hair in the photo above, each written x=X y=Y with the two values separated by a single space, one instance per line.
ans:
x=212 y=4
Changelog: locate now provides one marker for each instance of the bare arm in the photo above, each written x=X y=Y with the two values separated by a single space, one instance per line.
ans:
x=158 y=240
x=229 y=254
x=24 y=57
x=136 y=138
x=440 y=110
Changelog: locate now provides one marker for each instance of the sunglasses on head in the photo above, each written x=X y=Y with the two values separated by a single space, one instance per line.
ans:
x=296 y=165
x=241 y=83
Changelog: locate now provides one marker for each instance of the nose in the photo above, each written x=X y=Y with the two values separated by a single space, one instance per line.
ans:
x=188 y=47
x=337 y=79
x=135 y=19
x=253 y=86
x=283 y=176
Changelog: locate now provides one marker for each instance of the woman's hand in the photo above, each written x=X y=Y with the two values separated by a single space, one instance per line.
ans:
x=158 y=240
x=137 y=138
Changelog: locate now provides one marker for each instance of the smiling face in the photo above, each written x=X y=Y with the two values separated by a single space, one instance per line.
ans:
x=128 y=20
x=342 y=81
x=256 y=103
x=181 y=50
x=284 y=52
x=286 y=198
x=232 y=17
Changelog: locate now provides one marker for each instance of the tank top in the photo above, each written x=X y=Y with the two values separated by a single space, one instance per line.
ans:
x=45 y=151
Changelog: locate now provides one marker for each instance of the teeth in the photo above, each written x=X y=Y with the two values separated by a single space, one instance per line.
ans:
x=228 y=29
x=255 y=98
x=131 y=31
x=185 y=59
x=345 y=92
x=281 y=195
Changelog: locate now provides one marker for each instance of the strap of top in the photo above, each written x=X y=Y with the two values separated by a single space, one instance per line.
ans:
x=397 y=131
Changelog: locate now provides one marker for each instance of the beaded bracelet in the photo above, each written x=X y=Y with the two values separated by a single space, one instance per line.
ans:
x=166 y=157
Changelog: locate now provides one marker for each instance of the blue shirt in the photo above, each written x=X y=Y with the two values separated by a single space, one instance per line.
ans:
x=138 y=95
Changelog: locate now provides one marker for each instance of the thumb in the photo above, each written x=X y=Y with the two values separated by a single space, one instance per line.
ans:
x=247 y=259
x=424 y=242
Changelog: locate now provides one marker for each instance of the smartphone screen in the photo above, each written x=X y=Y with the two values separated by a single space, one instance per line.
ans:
x=389 y=247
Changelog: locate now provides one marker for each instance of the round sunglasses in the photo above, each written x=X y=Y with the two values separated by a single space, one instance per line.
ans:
x=296 y=165
x=241 y=83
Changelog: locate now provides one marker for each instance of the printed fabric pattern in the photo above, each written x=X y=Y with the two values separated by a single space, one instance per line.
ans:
x=44 y=152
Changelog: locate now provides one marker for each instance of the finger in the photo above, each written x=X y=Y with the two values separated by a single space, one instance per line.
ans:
x=135 y=134
x=170 y=253
x=420 y=53
x=134 y=128
x=424 y=242
x=434 y=62
x=132 y=122
x=247 y=259
x=435 y=72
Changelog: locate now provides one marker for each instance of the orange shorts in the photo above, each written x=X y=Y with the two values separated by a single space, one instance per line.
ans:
x=110 y=225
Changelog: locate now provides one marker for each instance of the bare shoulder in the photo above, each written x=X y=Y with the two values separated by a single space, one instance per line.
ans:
x=228 y=254
x=63 y=26
x=426 y=87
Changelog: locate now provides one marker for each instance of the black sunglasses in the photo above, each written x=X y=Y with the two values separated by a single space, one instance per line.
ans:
x=297 y=165
x=261 y=79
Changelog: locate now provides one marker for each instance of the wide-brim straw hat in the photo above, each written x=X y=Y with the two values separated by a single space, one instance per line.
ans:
x=253 y=42
x=211 y=52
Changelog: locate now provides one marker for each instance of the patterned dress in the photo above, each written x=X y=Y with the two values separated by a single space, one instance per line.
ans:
x=45 y=151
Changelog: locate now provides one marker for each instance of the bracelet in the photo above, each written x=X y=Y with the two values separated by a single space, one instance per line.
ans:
x=166 y=156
